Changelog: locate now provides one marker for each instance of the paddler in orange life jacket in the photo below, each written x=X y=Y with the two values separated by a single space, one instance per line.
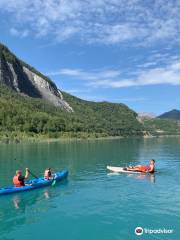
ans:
x=141 y=168
x=48 y=174
x=18 y=179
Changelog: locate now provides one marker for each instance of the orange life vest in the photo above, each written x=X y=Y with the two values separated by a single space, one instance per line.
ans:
x=16 y=182
x=144 y=168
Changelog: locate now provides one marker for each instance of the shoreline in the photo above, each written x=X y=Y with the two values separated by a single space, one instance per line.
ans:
x=40 y=139
x=62 y=139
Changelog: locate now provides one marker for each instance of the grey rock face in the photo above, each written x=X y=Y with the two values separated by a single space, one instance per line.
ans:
x=24 y=80
x=46 y=90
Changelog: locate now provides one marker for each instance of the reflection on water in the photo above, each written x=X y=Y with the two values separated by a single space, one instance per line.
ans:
x=144 y=177
x=23 y=208
x=17 y=201
x=20 y=202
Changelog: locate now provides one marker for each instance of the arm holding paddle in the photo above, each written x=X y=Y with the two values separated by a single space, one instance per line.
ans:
x=32 y=174
x=19 y=180
x=27 y=173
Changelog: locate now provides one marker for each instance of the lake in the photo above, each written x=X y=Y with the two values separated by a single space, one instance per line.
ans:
x=93 y=203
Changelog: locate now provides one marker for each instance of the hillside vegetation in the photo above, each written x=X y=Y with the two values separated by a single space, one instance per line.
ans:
x=22 y=117
x=159 y=127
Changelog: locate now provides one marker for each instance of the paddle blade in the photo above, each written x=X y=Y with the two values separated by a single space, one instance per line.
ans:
x=53 y=183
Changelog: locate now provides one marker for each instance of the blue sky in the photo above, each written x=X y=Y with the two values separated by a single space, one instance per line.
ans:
x=125 y=51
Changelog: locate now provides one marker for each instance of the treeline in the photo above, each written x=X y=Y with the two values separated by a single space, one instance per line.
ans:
x=20 y=114
x=159 y=126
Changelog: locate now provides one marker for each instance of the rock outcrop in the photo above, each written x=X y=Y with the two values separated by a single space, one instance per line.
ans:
x=25 y=80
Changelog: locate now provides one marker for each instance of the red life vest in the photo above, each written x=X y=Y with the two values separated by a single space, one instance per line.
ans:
x=144 y=168
x=16 y=182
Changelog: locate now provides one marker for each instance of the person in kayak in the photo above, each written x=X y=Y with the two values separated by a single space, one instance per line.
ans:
x=141 y=168
x=48 y=174
x=18 y=179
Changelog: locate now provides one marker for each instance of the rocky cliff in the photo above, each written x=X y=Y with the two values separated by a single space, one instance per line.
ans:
x=27 y=81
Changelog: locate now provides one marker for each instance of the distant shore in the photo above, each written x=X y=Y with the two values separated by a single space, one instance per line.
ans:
x=61 y=139
x=46 y=139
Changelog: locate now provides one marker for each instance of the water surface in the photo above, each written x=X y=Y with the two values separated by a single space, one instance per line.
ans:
x=93 y=204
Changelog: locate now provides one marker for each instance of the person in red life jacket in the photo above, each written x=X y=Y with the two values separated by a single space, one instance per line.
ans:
x=18 y=179
x=141 y=168
x=48 y=174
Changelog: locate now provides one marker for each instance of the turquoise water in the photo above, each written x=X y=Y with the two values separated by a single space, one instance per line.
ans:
x=93 y=204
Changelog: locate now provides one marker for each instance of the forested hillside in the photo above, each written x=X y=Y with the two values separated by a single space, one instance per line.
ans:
x=22 y=116
x=159 y=127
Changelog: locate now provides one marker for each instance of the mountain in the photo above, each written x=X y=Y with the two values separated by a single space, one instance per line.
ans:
x=174 y=114
x=32 y=105
x=24 y=79
x=145 y=115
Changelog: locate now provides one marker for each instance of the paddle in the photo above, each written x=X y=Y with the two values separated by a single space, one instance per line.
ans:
x=29 y=170
x=53 y=183
x=33 y=174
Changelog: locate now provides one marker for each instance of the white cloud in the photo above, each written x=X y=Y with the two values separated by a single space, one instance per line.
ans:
x=155 y=59
x=108 y=22
x=169 y=74
x=95 y=75
x=18 y=33
x=14 y=31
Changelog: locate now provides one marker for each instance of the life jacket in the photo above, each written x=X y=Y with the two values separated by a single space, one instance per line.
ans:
x=47 y=174
x=144 y=168
x=16 y=182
